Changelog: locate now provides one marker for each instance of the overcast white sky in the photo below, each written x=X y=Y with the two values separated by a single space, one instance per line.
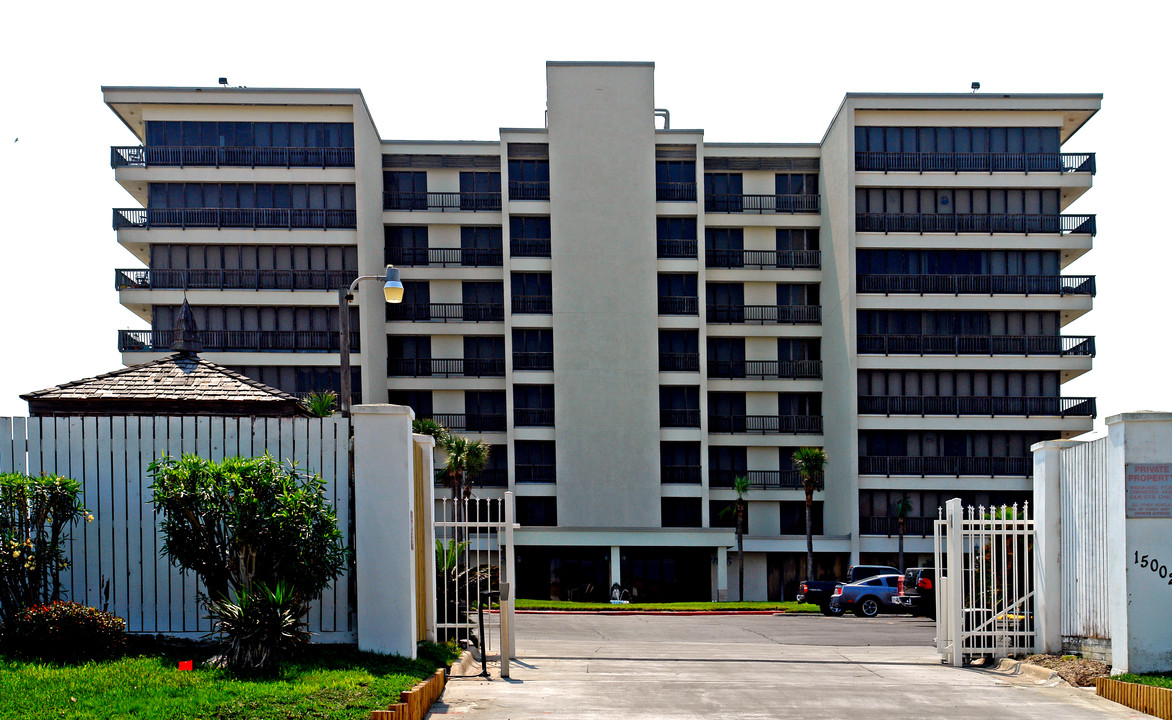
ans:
x=753 y=72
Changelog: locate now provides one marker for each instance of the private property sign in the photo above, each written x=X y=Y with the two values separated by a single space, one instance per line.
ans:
x=1149 y=490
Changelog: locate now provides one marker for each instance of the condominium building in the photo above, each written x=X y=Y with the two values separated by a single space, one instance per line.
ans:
x=633 y=317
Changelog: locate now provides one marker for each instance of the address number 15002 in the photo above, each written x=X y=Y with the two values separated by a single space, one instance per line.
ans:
x=1153 y=564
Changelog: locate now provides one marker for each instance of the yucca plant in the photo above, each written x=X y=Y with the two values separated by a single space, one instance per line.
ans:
x=258 y=628
x=321 y=403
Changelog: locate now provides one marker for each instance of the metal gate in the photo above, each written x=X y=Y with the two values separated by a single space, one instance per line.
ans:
x=985 y=596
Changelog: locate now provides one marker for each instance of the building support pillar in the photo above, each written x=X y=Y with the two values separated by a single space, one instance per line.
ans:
x=721 y=574
x=616 y=567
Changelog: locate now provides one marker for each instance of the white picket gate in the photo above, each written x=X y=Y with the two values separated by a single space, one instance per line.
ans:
x=985 y=592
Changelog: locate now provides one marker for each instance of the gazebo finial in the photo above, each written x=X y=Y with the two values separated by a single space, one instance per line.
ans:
x=185 y=332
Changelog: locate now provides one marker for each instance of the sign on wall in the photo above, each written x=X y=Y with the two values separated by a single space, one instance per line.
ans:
x=1149 y=490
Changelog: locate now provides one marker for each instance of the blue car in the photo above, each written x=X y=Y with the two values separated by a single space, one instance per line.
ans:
x=869 y=597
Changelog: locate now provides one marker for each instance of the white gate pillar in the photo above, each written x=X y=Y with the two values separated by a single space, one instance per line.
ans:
x=426 y=443
x=953 y=515
x=384 y=502
x=1046 y=511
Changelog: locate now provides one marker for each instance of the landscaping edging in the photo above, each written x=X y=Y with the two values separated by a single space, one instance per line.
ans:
x=659 y=612
x=414 y=703
x=1144 y=698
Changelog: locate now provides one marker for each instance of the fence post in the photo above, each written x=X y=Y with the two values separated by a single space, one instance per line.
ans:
x=509 y=590
x=954 y=518
x=1047 y=514
x=427 y=444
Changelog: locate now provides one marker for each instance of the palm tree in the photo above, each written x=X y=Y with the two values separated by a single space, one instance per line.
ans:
x=902 y=509
x=466 y=460
x=741 y=507
x=427 y=426
x=810 y=463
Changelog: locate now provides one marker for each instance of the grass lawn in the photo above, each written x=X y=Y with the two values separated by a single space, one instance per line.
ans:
x=791 y=607
x=325 y=682
x=1163 y=680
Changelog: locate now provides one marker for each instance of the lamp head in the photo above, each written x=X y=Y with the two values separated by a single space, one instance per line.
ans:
x=393 y=288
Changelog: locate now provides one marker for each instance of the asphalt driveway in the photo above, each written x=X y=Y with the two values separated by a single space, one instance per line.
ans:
x=795 y=666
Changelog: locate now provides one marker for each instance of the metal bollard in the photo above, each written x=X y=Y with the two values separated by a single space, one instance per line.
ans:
x=485 y=598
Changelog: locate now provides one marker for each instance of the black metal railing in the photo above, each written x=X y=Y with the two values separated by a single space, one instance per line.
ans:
x=528 y=190
x=675 y=191
x=681 y=474
x=947 y=465
x=238 y=340
x=765 y=369
x=542 y=361
x=762 y=203
x=446 y=367
x=758 y=479
x=533 y=417
x=975 y=223
x=216 y=156
x=679 y=362
x=217 y=279
x=889 y=526
x=1062 y=345
x=445 y=257
x=246 y=218
x=956 y=162
x=679 y=418
x=490 y=477
x=472 y=422
x=532 y=304
x=679 y=305
x=671 y=249
x=977 y=284
x=984 y=406
x=536 y=473
x=791 y=259
x=762 y=314
x=529 y=247
x=446 y=312
x=442 y=201
x=765 y=424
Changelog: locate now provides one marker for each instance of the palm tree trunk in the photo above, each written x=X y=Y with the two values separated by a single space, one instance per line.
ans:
x=901 y=531
x=740 y=551
x=809 y=534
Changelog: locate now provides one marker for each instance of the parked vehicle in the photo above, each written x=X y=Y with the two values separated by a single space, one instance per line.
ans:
x=819 y=592
x=918 y=592
x=869 y=597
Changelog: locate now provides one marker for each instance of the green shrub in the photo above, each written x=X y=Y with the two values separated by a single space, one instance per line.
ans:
x=321 y=403
x=262 y=626
x=65 y=631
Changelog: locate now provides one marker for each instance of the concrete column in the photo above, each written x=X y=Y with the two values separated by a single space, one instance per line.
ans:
x=384 y=519
x=616 y=566
x=1046 y=511
x=721 y=574
x=426 y=443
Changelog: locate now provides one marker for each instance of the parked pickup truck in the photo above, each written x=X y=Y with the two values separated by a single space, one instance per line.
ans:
x=819 y=592
x=918 y=591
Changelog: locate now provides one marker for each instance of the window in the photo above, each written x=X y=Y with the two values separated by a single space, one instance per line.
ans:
x=533 y=405
x=726 y=357
x=793 y=517
x=679 y=351
x=723 y=192
x=535 y=461
x=417 y=400
x=679 y=406
x=483 y=301
x=409 y=355
x=680 y=512
x=723 y=514
x=537 y=511
x=726 y=412
x=796 y=183
x=725 y=302
x=675 y=180
x=529 y=179
x=726 y=463
x=528 y=227
x=532 y=293
x=724 y=247
x=679 y=462
x=480 y=190
x=796 y=240
x=416 y=304
x=484 y=355
x=405 y=245
x=249 y=196
x=797 y=294
x=480 y=246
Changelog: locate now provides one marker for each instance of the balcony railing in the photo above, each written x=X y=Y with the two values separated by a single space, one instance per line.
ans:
x=443 y=201
x=679 y=362
x=680 y=474
x=982 y=406
x=1063 y=345
x=446 y=367
x=679 y=418
x=758 y=479
x=889 y=526
x=765 y=369
x=216 y=156
x=472 y=422
x=791 y=259
x=536 y=473
x=445 y=257
x=541 y=361
x=949 y=465
x=238 y=340
x=679 y=305
x=490 y=477
x=957 y=162
x=533 y=417
x=247 y=218
x=672 y=249
x=446 y=312
x=529 y=247
x=762 y=314
x=977 y=284
x=192 y=279
x=532 y=304
x=528 y=190
x=675 y=192
x=974 y=223
x=765 y=424
x=762 y=203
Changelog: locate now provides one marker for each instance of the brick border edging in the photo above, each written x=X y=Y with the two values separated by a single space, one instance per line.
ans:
x=414 y=703
x=1144 y=698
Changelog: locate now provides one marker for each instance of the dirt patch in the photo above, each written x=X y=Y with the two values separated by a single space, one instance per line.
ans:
x=1071 y=668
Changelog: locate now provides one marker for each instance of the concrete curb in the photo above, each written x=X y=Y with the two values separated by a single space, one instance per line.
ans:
x=462 y=665
x=1035 y=674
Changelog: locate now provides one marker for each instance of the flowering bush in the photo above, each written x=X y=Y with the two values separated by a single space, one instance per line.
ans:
x=65 y=631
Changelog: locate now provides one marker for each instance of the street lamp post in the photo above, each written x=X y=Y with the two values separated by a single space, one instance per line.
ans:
x=392 y=291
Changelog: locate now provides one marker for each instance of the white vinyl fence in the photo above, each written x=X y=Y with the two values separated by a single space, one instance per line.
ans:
x=116 y=563
x=1086 y=610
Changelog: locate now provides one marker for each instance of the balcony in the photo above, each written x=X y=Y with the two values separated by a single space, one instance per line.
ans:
x=529 y=247
x=765 y=369
x=490 y=477
x=532 y=304
x=889 y=526
x=472 y=422
x=680 y=474
x=758 y=479
x=538 y=361
x=536 y=473
x=763 y=314
x=445 y=257
x=765 y=424
x=533 y=417
x=446 y=312
x=980 y=406
x=675 y=249
x=974 y=162
x=955 y=466
x=679 y=418
x=162 y=279
x=1061 y=345
x=238 y=340
x=679 y=362
x=972 y=223
x=679 y=305
x=444 y=367
x=788 y=259
x=528 y=190
x=443 y=201
x=675 y=192
x=245 y=218
x=216 y=156
x=977 y=284
x=762 y=204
